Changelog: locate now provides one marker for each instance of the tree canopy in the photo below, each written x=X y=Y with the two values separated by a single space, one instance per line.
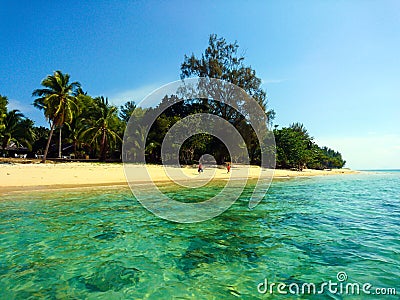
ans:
x=296 y=149
x=221 y=60
x=93 y=127
x=15 y=129
x=3 y=110
x=58 y=101
x=126 y=110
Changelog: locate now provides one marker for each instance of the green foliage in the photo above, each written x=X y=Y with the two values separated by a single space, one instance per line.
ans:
x=41 y=134
x=296 y=149
x=194 y=147
x=102 y=127
x=3 y=110
x=58 y=100
x=17 y=130
x=92 y=126
x=126 y=111
x=221 y=60
x=291 y=148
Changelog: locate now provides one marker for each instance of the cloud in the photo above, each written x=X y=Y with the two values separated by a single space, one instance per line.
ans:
x=16 y=104
x=136 y=94
x=371 y=151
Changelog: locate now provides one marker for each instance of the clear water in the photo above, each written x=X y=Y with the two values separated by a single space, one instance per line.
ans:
x=101 y=244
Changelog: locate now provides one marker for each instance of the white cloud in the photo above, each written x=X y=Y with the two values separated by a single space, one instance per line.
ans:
x=136 y=94
x=371 y=151
x=16 y=104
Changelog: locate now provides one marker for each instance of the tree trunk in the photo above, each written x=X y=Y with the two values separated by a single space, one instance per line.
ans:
x=5 y=142
x=48 y=144
x=103 y=147
x=75 y=145
x=59 y=143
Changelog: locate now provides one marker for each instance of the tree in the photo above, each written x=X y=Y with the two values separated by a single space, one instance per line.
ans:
x=332 y=158
x=126 y=111
x=58 y=100
x=103 y=128
x=75 y=128
x=195 y=142
x=300 y=128
x=296 y=149
x=17 y=129
x=3 y=110
x=135 y=139
x=87 y=111
x=41 y=135
x=291 y=147
x=222 y=61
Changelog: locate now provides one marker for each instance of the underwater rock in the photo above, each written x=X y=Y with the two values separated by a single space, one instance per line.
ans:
x=110 y=275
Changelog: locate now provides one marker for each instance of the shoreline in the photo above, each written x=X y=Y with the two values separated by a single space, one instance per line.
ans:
x=25 y=177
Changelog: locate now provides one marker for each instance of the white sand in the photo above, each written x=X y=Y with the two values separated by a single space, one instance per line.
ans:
x=71 y=174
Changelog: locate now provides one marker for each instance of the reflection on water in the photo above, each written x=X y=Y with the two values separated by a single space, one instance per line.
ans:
x=100 y=243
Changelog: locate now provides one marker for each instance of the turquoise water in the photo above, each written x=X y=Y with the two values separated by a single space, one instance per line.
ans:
x=102 y=244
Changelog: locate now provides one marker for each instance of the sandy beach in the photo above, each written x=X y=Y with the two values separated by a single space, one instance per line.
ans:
x=35 y=176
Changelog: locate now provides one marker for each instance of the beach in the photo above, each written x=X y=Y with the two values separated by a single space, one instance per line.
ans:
x=36 y=176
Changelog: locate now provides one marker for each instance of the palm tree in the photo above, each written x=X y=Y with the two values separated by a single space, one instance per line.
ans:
x=74 y=133
x=3 y=110
x=58 y=101
x=17 y=129
x=41 y=134
x=103 y=127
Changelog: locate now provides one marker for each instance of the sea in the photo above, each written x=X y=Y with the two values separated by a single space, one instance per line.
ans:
x=324 y=237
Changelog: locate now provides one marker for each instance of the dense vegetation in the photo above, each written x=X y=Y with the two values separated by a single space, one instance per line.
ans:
x=84 y=126
x=296 y=149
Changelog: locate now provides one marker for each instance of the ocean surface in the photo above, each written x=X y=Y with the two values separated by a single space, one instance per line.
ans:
x=100 y=243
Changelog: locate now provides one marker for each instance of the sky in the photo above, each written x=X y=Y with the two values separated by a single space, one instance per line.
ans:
x=332 y=65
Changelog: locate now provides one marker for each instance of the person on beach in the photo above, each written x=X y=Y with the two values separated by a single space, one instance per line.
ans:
x=200 y=169
x=228 y=167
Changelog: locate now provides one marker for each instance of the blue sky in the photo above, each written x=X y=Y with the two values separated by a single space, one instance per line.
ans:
x=332 y=65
